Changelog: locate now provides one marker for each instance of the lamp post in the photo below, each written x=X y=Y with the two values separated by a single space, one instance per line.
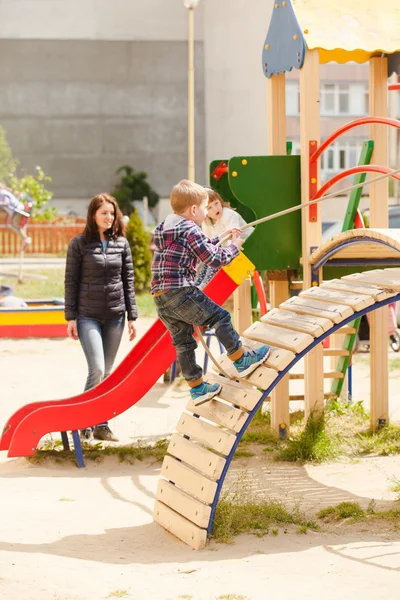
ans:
x=191 y=5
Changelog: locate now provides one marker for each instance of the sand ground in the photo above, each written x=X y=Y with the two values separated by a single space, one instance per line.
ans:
x=88 y=534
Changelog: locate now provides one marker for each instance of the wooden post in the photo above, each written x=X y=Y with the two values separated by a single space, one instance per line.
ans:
x=311 y=230
x=279 y=290
x=378 y=203
x=242 y=310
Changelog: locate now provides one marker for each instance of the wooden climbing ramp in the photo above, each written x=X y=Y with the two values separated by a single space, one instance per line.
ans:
x=206 y=437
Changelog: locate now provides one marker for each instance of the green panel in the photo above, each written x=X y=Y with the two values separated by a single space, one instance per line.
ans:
x=269 y=184
x=355 y=196
x=222 y=187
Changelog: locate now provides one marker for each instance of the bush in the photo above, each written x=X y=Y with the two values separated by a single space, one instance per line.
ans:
x=139 y=241
x=133 y=186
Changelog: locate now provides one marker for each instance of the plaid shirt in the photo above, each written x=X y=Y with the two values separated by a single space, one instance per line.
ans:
x=179 y=248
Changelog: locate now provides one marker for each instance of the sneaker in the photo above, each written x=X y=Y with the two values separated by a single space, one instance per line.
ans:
x=86 y=435
x=204 y=392
x=251 y=359
x=104 y=433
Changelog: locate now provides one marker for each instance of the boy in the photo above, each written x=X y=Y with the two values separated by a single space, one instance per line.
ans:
x=180 y=244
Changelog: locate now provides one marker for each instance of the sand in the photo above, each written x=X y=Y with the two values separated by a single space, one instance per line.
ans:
x=88 y=534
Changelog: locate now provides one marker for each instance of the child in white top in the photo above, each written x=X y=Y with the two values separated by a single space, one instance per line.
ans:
x=219 y=219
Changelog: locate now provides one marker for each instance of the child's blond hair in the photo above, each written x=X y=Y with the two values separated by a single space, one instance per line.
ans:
x=186 y=193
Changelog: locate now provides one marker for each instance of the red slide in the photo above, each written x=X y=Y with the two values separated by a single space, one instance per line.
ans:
x=130 y=381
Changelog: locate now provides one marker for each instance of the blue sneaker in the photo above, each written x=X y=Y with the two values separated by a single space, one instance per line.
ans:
x=251 y=359
x=204 y=392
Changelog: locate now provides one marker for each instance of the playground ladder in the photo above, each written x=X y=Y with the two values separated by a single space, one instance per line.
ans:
x=206 y=437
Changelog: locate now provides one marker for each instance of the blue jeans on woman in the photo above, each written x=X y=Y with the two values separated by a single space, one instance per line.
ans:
x=179 y=310
x=100 y=340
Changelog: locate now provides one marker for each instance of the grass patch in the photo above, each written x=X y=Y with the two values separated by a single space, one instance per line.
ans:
x=97 y=452
x=231 y=597
x=343 y=430
x=354 y=513
x=118 y=594
x=394 y=364
x=344 y=510
x=51 y=285
x=395 y=486
x=243 y=514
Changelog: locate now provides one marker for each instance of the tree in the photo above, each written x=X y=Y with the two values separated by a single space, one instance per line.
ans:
x=7 y=163
x=31 y=185
x=139 y=241
x=133 y=186
x=34 y=187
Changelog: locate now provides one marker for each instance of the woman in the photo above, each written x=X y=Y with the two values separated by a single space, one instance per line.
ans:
x=99 y=290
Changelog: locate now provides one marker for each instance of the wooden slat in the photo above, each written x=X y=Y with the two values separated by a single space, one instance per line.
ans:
x=188 y=532
x=347 y=330
x=278 y=358
x=231 y=391
x=219 y=413
x=191 y=482
x=306 y=306
x=262 y=377
x=384 y=279
x=377 y=293
x=355 y=301
x=297 y=397
x=327 y=375
x=278 y=336
x=315 y=326
x=190 y=508
x=336 y=352
x=209 y=435
x=196 y=456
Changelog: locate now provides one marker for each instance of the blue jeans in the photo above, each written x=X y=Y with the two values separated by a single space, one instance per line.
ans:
x=179 y=310
x=100 y=340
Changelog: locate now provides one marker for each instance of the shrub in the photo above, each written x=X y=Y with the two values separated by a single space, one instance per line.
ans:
x=139 y=241
x=133 y=186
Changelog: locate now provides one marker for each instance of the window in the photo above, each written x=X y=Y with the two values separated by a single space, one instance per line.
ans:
x=292 y=98
x=344 y=99
x=340 y=156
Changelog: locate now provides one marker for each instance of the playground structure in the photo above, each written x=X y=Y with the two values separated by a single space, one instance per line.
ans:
x=42 y=318
x=201 y=450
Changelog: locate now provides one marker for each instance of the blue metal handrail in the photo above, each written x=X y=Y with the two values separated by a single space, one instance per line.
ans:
x=281 y=375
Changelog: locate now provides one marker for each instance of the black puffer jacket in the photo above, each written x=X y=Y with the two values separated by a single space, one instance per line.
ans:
x=99 y=284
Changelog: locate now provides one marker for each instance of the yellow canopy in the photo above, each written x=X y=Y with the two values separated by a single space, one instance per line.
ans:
x=349 y=30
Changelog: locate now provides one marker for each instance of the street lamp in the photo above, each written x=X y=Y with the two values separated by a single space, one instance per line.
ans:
x=191 y=5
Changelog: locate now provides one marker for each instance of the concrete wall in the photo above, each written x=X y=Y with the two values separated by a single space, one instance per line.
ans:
x=80 y=101
x=235 y=87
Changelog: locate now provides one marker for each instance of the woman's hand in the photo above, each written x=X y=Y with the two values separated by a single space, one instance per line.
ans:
x=72 y=330
x=131 y=330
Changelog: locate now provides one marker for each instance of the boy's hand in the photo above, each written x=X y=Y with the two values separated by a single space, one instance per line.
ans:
x=233 y=233
x=238 y=243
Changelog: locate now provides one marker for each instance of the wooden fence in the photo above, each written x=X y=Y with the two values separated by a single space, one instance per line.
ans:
x=47 y=238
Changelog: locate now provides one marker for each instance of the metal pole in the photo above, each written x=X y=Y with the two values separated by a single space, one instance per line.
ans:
x=191 y=172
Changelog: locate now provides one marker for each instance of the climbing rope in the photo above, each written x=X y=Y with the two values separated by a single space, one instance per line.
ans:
x=275 y=216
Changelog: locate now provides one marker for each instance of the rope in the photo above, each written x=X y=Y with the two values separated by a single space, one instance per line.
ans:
x=275 y=216
x=311 y=202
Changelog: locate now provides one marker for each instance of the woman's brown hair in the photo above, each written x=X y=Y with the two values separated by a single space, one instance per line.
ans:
x=117 y=228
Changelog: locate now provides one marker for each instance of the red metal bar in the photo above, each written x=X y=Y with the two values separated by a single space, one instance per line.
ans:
x=394 y=87
x=219 y=170
x=352 y=171
x=348 y=127
x=258 y=284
